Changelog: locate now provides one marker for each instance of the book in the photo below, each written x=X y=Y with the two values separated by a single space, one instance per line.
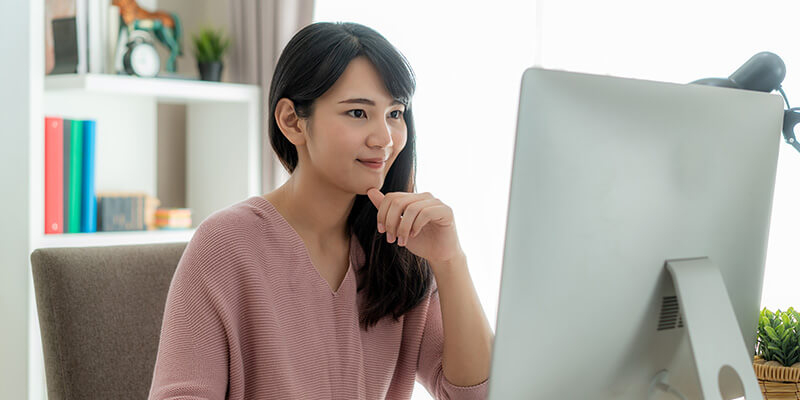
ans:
x=66 y=171
x=88 y=201
x=67 y=38
x=126 y=211
x=97 y=12
x=110 y=213
x=113 y=26
x=53 y=175
x=65 y=46
x=150 y=206
x=129 y=204
x=75 y=172
x=173 y=218
x=82 y=35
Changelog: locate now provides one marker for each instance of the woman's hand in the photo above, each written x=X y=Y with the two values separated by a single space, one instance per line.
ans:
x=419 y=222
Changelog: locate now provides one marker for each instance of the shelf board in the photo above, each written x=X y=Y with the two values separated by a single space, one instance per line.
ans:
x=164 y=89
x=113 y=238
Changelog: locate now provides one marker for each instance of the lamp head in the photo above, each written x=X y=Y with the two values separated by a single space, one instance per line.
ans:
x=763 y=72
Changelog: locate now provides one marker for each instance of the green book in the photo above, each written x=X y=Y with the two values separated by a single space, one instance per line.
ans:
x=75 y=176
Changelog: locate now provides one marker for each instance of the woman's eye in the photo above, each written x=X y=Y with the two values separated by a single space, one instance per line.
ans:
x=356 y=111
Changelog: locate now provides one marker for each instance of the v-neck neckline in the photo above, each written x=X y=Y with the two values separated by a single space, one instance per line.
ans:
x=295 y=237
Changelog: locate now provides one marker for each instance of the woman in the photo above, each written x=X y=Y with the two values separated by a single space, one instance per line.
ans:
x=343 y=283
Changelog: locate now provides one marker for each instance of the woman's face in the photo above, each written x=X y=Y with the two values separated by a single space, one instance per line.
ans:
x=356 y=130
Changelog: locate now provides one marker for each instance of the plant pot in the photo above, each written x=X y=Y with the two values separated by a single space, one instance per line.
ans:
x=211 y=71
x=777 y=382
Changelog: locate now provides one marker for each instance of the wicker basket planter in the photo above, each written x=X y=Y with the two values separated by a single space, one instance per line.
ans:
x=777 y=383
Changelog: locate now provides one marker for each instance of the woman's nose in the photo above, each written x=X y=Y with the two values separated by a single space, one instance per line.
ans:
x=380 y=136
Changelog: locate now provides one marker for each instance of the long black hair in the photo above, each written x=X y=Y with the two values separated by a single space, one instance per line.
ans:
x=393 y=279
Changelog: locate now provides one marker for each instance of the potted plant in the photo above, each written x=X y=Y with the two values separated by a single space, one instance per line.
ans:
x=209 y=47
x=777 y=360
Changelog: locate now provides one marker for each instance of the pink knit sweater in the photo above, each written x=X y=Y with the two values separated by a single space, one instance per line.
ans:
x=248 y=316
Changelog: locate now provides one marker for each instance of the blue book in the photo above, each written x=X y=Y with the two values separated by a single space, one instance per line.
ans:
x=88 y=198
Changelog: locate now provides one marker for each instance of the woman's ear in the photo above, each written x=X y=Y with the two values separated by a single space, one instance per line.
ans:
x=292 y=126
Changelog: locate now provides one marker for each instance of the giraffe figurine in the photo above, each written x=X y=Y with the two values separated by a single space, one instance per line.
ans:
x=166 y=27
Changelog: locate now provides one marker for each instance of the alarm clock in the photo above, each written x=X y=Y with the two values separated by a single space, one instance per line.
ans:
x=141 y=57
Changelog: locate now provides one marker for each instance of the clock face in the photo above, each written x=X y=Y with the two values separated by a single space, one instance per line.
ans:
x=145 y=60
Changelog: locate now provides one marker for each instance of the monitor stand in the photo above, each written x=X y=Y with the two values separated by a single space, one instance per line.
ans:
x=715 y=342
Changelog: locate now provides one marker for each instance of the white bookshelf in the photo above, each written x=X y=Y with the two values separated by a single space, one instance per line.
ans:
x=223 y=160
x=115 y=238
x=223 y=166
x=163 y=89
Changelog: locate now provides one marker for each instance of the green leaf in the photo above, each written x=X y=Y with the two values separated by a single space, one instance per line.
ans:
x=210 y=45
x=771 y=332
x=787 y=341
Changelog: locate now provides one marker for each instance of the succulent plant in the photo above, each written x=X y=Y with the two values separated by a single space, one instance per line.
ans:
x=779 y=336
x=210 y=45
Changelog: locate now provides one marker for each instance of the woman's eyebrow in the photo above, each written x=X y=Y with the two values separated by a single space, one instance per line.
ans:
x=367 y=101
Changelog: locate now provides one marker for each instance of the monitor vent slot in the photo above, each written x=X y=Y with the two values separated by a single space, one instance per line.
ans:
x=670 y=316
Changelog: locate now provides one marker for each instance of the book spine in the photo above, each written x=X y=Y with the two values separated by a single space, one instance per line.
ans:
x=141 y=220
x=75 y=167
x=137 y=213
x=96 y=14
x=126 y=211
x=110 y=214
x=129 y=207
x=122 y=214
x=53 y=175
x=88 y=201
x=81 y=28
x=113 y=35
x=109 y=205
x=122 y=203
x=65 y=46
x=119 y=217
x=66 y=158
x=150 y=206
x=100 y=219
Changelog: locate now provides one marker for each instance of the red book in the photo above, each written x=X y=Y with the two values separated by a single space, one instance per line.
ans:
x=53 y=175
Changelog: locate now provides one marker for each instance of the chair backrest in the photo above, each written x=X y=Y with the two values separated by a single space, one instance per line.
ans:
x=100 y=313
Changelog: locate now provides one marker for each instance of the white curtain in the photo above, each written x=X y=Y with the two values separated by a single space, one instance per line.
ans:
x=260 y=30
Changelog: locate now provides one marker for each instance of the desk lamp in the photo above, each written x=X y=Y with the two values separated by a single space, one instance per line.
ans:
x=763 y=72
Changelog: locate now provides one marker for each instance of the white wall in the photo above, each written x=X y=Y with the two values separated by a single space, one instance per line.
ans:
x=194 y=15
x=681 y=42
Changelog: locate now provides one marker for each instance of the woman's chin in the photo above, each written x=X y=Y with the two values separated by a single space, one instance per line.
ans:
x=365 y=189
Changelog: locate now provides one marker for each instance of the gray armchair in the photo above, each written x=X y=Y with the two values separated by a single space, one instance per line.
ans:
x=100 y=313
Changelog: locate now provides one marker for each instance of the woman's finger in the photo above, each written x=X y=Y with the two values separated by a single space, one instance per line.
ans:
x=392 y=208
x=410 y=215
x=433 y=213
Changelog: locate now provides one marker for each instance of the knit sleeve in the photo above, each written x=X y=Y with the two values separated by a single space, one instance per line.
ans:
x=192 y=359
x=429 y=368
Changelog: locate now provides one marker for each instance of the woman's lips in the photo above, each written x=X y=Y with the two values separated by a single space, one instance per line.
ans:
x=373 y=164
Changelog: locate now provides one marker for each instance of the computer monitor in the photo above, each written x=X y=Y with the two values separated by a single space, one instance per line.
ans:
x=620 y=186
